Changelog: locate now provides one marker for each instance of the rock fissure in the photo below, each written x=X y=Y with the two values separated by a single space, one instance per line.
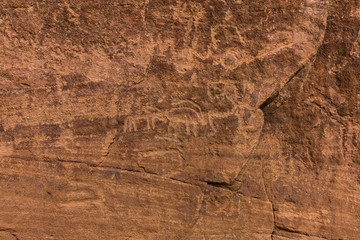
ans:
x=142 y=171
x=279 y=229
x=266 y=190
x=145 y=119
x=276 y=93
x=10 y=231
x=109 y=147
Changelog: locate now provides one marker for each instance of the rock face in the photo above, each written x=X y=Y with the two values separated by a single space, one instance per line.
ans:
x=165 y=119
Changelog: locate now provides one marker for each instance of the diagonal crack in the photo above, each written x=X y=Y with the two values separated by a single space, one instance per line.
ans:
x=108 y=150
x=10 y=231
x=276 y=93
x=310 y=61
x=109 y=147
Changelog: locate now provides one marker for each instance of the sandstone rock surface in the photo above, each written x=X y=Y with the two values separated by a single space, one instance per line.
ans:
x=167 y=119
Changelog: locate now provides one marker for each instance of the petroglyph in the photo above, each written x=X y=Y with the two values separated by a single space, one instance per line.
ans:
x=183 y=116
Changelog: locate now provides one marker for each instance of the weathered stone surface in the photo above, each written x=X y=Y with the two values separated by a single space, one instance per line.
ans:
x=165 y=119
x=312 y=170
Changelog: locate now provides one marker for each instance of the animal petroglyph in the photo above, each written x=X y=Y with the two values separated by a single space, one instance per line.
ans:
x=184 y=116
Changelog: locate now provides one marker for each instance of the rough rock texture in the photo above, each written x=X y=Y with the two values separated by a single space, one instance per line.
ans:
x=168 y=119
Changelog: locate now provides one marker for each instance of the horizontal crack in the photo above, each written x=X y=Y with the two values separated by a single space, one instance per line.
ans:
x=142 y=171
x=284 y=229
x=219 y=184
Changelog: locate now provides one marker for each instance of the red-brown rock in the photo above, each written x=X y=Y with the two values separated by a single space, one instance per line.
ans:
x=164 y=119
